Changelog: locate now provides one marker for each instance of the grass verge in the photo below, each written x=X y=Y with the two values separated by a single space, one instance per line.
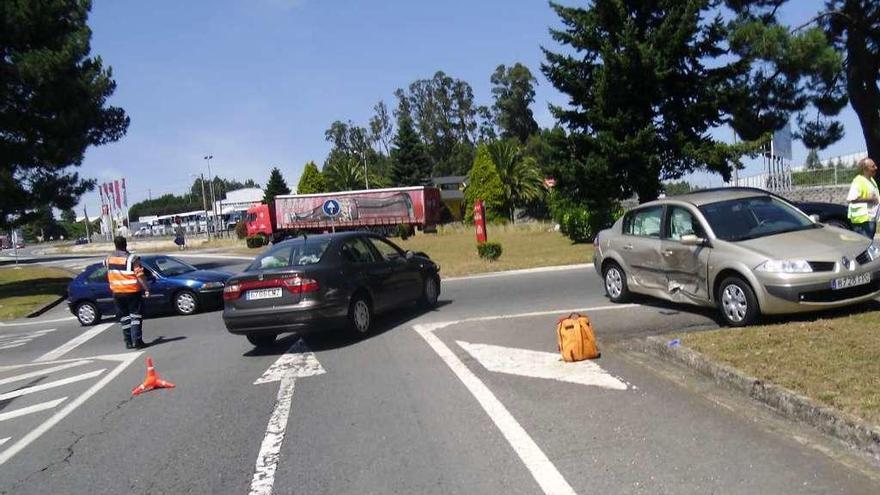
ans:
x=834 y=361
x=25 y=289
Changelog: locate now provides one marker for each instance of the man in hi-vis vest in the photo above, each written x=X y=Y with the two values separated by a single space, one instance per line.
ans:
x=129 y=287
x=863 y=199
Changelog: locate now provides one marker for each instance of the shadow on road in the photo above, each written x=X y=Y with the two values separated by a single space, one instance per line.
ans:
x=162 y=340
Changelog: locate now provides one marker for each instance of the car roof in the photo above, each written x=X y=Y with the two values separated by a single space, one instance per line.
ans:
x=331 y=236
x=707 y=196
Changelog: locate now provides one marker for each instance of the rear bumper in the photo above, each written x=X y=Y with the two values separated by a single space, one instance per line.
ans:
x=310 y=318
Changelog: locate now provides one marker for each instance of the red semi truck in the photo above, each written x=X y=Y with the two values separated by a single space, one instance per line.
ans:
x=379 y=210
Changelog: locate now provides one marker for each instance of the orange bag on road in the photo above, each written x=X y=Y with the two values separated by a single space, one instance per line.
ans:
x=575 y=338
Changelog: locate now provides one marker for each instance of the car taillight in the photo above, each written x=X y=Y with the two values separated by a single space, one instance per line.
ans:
x=231 y=292
x=300 y=285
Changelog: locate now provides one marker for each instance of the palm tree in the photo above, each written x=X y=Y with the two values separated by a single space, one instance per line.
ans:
x=520 y=177
x=343 y=173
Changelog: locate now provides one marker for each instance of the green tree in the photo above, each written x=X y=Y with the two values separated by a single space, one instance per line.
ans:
x=410 y=161
x=521 y=180
x=275 y=187
x=677 y=188
x=484 y=183
x=53 y=106
x=514 y=90
x=343 y=173
x=311 y=181
x=813 y=162
x=380 y=127
x=68 y=215
x=645 y=83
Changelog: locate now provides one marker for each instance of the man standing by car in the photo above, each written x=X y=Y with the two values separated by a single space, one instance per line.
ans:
x=863 y=199
x=129 y=286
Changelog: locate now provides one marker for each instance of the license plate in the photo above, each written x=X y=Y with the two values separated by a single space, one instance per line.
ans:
x=845 y=282
x=255 y=294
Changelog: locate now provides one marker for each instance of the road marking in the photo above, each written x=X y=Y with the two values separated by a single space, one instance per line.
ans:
x=48 y=385
x=526 y=271
x=4 y=440
x=299 y=361
x=543 y=471
x=44 y=372
x=537 y=364
x=539 y=313
x=73 y=343
x=10 y=346
x=40 y=322
x=124 y=359
x=31 y=409
x=36 y=333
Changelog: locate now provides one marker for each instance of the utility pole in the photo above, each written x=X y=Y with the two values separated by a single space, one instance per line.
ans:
x=366 y=179
x=205 y=206
x=213 y=198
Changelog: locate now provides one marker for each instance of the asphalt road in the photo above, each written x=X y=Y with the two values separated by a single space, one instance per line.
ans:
x=433 y=402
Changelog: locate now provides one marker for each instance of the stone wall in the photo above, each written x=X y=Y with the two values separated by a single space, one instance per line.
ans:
x=822 y=194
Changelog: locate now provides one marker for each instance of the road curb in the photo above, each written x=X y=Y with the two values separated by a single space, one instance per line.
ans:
x=45 y=307
x=855 y=432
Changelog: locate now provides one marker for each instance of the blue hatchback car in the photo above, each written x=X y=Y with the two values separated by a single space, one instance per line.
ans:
x=174 y=285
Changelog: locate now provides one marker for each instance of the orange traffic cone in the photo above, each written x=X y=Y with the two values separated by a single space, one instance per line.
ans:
x=152 y=381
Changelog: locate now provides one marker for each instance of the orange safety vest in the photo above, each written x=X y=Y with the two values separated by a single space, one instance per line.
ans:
x=123 y=273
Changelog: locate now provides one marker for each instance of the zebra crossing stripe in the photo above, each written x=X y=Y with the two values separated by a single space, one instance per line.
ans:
x=44 y=386
x=43 y=372
x=24 y=411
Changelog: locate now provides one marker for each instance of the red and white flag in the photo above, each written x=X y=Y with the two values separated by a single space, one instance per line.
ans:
x=124 y=194
x=118 y=195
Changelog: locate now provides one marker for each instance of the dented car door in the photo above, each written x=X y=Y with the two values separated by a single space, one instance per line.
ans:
x=685 y=266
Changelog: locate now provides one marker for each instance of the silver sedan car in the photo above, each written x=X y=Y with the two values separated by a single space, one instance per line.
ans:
x=745 y=251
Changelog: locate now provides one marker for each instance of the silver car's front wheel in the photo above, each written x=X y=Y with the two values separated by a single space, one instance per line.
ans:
x=737 y=302
x=615 y=283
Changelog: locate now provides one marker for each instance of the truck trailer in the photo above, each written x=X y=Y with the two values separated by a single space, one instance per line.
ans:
x=378 y=210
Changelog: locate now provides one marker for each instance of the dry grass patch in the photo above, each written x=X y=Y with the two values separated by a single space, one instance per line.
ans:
x=835 y=361
x=25 y=289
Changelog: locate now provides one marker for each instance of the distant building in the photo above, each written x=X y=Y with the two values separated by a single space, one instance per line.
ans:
x=451 y=193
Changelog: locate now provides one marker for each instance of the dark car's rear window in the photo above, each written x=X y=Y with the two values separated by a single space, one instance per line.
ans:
x=299 y=252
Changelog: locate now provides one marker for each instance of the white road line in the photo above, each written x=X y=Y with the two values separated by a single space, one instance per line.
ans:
x=560 y=312
x=73 y=343
x=49 y=423
x=48 y=385
x=526 y=271
x=35 y=333
x=545 y=473
x=4 y=440
x=31 y=409
x=12 y=345
x=40 y=322
x=43 y=372
x=270 y=449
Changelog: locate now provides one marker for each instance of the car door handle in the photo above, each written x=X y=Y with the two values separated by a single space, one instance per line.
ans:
x=628 y=247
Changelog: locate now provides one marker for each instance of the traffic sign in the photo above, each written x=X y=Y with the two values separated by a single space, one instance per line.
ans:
x=331 y=208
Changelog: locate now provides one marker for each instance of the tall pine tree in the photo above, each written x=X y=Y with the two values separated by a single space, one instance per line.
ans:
x=410 y=163
x=312 y=180
x=275 y=187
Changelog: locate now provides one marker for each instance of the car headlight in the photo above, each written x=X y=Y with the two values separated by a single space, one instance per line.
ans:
x=212 y=285
x=785 y=266
x=874 y=251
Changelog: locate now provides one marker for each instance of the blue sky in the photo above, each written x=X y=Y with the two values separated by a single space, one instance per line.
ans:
x=256 y=82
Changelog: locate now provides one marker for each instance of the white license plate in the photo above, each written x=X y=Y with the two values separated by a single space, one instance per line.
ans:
x=253 y=295
x=845 y=282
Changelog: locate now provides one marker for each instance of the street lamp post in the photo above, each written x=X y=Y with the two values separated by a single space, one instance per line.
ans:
x=213 y=198
x=366 y=179
x=204 y=204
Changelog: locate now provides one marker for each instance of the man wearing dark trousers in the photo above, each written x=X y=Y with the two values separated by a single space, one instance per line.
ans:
x=129 y=286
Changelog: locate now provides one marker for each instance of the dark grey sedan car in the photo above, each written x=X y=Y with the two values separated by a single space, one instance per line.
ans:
x=324 y=282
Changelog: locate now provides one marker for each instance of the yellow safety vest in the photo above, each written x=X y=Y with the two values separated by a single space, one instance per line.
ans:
x=123 y=271
x=859 y=212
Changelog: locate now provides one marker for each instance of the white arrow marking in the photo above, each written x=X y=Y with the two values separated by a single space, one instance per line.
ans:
x=45 y=386
x=31 y=409
x=47 y=371
x=536 y=364
x=543 y=471
x=72 y=343
x=297 y=362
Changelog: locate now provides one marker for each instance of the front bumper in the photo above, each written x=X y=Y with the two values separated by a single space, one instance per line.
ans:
x=813 y=295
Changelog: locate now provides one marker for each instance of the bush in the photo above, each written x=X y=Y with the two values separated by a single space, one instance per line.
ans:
x=578 y=221
x=404 y=231
x=485 y=184
x=241 y=229
x=256 y=241
x=489 y=251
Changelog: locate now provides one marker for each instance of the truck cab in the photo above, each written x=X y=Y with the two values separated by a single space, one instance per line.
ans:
x=260 y=220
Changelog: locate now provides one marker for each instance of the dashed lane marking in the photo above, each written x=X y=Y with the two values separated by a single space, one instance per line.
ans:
x=73 y=343
x=24 y=411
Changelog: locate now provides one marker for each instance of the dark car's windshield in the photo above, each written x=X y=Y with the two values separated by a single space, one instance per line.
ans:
x=169 y=267
x=299 y=252
x=750 y=218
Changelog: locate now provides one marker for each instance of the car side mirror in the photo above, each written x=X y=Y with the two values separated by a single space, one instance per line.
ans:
x=692 y=240
x=410 y=255
x=815 y=218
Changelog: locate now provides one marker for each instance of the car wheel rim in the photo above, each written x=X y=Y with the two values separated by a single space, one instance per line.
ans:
x=431 y=290
x=186 y=303
x=86 y=314
x=613 y=282
x=361 y=316
x=734 y=302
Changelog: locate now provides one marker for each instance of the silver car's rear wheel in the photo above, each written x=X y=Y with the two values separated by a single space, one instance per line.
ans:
x=737 y=302
x=615 y=283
